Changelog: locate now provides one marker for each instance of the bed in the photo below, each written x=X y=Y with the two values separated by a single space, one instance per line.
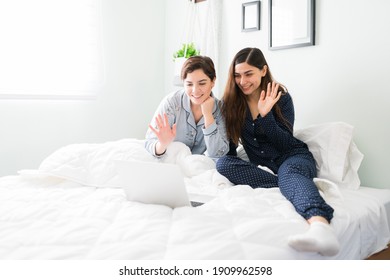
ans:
x=73 y=207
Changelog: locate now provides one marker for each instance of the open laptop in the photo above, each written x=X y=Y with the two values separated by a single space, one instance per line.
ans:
x=154 y=183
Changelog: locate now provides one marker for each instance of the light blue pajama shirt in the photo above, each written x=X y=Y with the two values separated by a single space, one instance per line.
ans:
x=211 y=140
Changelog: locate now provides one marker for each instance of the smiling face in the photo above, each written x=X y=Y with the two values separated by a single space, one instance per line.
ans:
x=198 y=86
x=248 y=78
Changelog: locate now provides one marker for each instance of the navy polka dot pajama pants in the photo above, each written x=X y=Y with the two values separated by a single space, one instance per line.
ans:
x=294 y=179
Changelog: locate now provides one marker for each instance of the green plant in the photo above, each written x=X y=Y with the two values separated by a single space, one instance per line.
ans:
x=188 y=49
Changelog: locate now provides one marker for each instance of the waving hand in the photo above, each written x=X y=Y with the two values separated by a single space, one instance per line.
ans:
x=164 y=133
x=268 y=99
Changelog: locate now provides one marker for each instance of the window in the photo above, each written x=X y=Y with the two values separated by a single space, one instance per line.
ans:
x=50 y=49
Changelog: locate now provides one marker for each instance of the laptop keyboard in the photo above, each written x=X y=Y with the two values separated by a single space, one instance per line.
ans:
x=196 y=204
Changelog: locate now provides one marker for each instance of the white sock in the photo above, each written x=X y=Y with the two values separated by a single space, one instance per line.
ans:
x=319 y=238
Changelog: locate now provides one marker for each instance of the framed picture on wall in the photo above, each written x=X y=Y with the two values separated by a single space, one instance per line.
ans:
x=251 y=16
x=291 y=23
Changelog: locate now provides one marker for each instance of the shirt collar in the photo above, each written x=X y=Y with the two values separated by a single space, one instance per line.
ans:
x=186 y=102
x=187 y=107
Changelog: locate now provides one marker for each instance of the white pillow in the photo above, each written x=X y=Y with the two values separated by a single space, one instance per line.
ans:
x=338 y=159
x=93 y=164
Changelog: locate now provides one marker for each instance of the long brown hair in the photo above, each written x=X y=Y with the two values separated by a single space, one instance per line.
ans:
x=234 y=106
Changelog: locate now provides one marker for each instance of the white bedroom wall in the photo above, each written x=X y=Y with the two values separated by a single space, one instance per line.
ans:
x=342 y=78
x=133 y=39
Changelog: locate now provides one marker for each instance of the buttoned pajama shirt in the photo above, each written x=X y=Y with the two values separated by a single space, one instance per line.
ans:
x=269 y=143
x=211 y=140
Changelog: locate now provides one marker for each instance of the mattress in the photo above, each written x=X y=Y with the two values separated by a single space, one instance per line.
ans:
x=382 y=196
x=52 y=218
x=359 y=202
x=74 y=207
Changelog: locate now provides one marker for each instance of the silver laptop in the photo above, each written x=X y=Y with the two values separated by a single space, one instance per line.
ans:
x=153 y=183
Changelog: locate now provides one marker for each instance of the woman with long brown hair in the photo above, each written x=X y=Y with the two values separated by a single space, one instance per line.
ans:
x=259 y=114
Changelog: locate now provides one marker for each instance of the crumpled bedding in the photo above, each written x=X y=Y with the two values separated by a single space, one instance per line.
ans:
x=73 y=208
x=94 y=164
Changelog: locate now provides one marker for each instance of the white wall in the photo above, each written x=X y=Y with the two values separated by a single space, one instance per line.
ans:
x=342 y=78
x=134 y=35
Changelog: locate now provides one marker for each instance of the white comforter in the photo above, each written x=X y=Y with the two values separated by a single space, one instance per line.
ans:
x=73 y=208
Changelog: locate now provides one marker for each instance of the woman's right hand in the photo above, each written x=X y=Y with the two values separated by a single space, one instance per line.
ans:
x=268 y=99
x=164 y=133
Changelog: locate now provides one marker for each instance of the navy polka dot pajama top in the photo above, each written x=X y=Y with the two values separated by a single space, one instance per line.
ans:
x=268 y=142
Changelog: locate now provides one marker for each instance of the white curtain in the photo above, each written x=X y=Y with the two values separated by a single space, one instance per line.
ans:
x=202 y=27
x=211 y=35
x=192 y=27
x=50 y=48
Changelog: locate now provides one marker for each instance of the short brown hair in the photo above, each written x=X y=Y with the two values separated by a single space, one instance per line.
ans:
x=198 y=62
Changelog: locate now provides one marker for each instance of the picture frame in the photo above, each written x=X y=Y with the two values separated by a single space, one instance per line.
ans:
x=291 y=23
x=250 y=16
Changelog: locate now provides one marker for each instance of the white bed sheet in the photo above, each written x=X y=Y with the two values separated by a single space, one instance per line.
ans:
x=382 y=196
x=43 y=217
x=369 y=213
x=73 y=207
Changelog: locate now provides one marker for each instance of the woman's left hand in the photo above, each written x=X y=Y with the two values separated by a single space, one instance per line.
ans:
x=268 y=99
